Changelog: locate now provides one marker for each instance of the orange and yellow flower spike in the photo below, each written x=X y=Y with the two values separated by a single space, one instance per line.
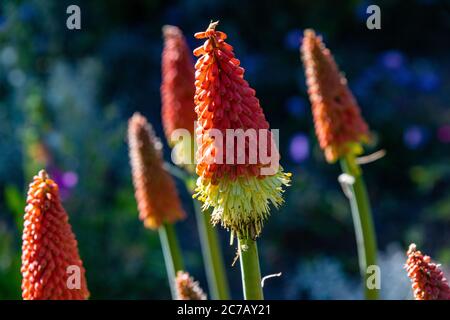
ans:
x=155 y=191
x=239 y=193
x=177 y=93
x=339 y=125
x=341 y=131
x=157 y=198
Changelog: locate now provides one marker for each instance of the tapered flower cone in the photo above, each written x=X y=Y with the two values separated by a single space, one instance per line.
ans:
x=177 y=87
x=339 y=125
x=177 y=95
x=240 y=188
x=428 y=280
x=51 y=265
x=188 y=288
x=155 y=191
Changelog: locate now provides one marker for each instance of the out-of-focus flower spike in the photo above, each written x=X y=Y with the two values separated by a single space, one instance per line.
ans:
x=188 y=288
x=341 y=131
x=155 y=191
x=428 y=280
x=51 y=265
x=239 y=192
x=339 y=125
x=177 y=95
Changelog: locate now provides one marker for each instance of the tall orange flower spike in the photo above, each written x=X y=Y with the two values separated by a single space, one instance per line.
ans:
x=177 y=94
x=428 y=280
x=51 y=266
x=188 y=288
x=239 y=193
x=155 y=191
x=337 y=119
x=177 y=88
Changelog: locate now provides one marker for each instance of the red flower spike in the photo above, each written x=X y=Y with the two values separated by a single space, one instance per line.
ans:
x=50 y=258
x=177 y=88
x=224 y=100
x=177 y=95
x=337 y=119
x=428 y=280
x=238 y=190
x=155 y=191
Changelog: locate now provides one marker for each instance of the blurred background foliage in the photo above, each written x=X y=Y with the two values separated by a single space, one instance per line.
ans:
x=65 y=97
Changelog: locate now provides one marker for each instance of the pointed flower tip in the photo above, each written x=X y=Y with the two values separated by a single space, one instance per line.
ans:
x=210 y=32
x=428 y=280
x=309 y=33
x=340 y=128
x=155 y=190
x=224 y=100
x=49 y=247
x=412 y=248
x=171 y=31
x=188 y=288
x=43 y=174
x=213 y=24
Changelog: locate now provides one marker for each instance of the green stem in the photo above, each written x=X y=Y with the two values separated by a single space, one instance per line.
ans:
x=212 y=255
x=172 y=254
x=363 y=223
x=211 y=251
x=250 y=271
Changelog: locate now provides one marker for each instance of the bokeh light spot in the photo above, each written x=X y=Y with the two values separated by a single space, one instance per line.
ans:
x=299 y=147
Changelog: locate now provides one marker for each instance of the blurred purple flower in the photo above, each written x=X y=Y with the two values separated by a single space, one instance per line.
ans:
x=296 y=106
x=392 y=59
x=55 y=174
x=394 y=63
x=293 y=39
x=414 y=137
x=65 y=180
x=70 y=179
x=299 y=147
x=443 y=133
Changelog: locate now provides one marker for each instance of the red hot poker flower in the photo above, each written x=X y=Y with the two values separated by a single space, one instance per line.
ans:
x=155 y=191
x=428 y=280
x=238 y=191
x=224 y=100
x=177 y=94
x=177 y=88
x=337 y=119
x=51 y=266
